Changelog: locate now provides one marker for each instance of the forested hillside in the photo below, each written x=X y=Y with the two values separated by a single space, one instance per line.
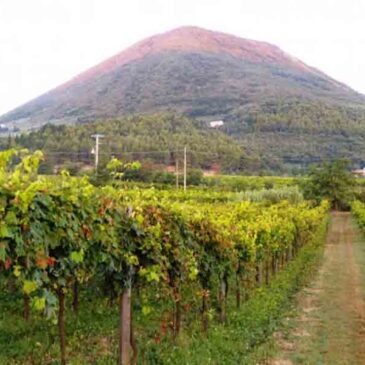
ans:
x=272 y=139
x=159 y=138
x=293 y=133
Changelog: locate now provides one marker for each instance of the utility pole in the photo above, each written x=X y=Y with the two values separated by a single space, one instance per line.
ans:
x=96 y=152
x=177 y=173
x=185 y=168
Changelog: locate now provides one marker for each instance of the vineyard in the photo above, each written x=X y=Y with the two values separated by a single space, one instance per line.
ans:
x=160 y=270
x=358 y=209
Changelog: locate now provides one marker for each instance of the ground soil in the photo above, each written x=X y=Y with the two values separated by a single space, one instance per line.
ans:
x=328 y=324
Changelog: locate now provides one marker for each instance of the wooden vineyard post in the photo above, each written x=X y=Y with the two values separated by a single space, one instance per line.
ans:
x=267 y=272
x=61 y=325
x=75 y=300
x=125 y=327
x=274 y=264
x=290 y=253
x=177 y=311
x=238 y=290
x=258 y=275
x=26 y=309
x=222 y=300
x=205 y=310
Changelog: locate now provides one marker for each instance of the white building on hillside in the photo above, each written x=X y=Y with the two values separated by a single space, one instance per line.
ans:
x=216 y=123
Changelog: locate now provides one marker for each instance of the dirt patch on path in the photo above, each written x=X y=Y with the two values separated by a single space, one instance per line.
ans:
x=329 y=325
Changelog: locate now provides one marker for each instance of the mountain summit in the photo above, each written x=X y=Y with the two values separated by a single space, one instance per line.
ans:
x=190 y=70
x=196 y=40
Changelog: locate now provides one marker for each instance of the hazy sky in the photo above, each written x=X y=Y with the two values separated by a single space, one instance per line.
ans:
x=43 y=43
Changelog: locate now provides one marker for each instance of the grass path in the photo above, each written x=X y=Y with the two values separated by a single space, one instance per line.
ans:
x=328 y=326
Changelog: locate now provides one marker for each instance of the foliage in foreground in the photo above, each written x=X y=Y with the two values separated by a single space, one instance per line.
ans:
x=91 y=333
x=246 y=338
x=358 y=209
x=59 y=233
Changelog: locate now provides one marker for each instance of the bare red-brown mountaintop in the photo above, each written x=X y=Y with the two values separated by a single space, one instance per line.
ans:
x=190 y=70
x=195 y=39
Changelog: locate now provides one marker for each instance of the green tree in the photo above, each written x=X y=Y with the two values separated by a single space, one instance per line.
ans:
x=332 y=181
x=194 y=177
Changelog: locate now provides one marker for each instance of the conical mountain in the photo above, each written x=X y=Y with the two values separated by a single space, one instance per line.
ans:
x=190 y=70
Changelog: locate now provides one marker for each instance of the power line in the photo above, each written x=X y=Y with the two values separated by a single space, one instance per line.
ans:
x=87 y=154
x=111 y=152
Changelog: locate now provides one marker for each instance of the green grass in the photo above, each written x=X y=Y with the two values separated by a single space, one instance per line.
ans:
x=324 y=325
